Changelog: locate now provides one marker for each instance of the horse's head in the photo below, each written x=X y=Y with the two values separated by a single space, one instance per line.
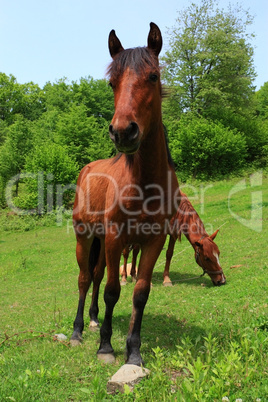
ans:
x=134 y=76
x=207 y=256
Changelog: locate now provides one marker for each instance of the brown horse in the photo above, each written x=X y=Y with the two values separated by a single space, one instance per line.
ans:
x=127 y=199
x=188 y=222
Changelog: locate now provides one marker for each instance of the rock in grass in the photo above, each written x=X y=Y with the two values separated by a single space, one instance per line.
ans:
x=60 y=337
x=128 y=374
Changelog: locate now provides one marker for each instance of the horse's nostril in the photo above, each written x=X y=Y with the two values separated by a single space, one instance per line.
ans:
x=111 y=131
x=132 y=131
x=113 y=134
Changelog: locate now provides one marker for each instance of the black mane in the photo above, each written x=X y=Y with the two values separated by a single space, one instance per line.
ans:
x=137 y=59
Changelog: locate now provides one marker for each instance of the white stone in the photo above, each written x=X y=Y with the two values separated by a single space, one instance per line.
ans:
x=128 y=374
x=60 y=337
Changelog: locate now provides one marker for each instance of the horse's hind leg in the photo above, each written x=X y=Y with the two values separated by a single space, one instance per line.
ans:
x=97 y=278
x=124 y=272
x=136 y=249
x=83 y=247
x=169 y=254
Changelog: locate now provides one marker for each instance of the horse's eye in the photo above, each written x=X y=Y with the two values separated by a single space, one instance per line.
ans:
x=111 y=85
x=153 y=77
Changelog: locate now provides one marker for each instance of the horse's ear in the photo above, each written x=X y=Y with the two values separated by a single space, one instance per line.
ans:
x=212 y=237
x=154 y=39
x=114 y=43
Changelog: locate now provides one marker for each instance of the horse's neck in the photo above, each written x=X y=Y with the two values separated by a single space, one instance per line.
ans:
x=191 y=225
x=150 y=163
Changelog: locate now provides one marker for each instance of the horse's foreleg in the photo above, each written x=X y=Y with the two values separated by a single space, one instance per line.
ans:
x=169 y=254
x=142 y=288
x=97 y=278
x=84 y=280
x=111 y=296
x=136 y=249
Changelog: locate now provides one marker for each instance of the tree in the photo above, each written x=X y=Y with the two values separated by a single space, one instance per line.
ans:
x=13 y=152
x=96 y=95
x=205 y=149
x=209 y=65
x=52 y=173
x=23 y=99
x=85 y=138
x=262 y=102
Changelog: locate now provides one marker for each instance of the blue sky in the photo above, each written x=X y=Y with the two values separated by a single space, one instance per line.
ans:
x=47 y=40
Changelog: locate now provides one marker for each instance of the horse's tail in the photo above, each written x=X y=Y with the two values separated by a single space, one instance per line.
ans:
x=94 y=255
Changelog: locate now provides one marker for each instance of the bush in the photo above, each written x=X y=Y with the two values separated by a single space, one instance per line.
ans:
x=51 y=178
x=204 y=149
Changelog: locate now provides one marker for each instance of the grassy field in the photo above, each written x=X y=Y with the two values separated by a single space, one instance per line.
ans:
x=201 y=343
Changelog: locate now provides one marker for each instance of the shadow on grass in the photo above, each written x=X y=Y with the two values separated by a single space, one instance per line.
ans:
x=187 y=279
x=158 y=330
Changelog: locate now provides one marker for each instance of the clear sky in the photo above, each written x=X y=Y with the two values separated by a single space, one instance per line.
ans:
x=45 y=40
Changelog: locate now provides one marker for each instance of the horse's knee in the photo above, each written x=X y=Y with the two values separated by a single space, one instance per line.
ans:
x=140 y=296
x=111 y=294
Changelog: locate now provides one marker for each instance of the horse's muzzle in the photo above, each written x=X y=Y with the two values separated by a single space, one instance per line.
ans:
x=126 y=140
x=221 y=282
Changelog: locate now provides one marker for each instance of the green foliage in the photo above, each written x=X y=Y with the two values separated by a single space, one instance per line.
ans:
x=51 y=169
x=17 y=144
x=24 y=99
x=85 y=138
x=97 y=96
x=209 y=72
x=205 y=149
x=262 y=101
x=209 y=65
x=75 y=116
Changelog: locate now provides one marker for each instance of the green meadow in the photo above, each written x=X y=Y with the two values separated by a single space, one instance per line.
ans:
x=200 y=342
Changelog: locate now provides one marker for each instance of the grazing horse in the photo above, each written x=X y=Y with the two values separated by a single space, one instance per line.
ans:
x=188 y=222
x=127 y=199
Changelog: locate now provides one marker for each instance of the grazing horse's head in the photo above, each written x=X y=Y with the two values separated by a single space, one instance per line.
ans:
x=207 y=256
x=135 y=79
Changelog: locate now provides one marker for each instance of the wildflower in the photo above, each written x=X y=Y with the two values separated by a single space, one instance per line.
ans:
x=225 y=398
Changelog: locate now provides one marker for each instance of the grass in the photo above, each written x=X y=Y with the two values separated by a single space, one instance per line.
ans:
x=201 y=343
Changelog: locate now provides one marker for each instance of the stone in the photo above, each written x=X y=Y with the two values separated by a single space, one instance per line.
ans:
x=128 y=374
x=60 y=337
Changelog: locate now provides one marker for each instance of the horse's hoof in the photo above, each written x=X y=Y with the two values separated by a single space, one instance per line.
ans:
x=167 y=283
x=107 y=358
x=122 y=283
x=94 y=326
x=75 y=342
